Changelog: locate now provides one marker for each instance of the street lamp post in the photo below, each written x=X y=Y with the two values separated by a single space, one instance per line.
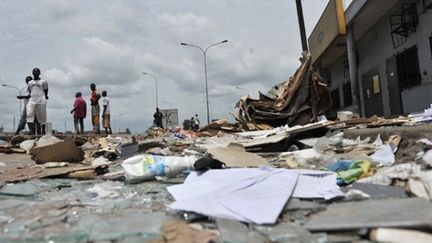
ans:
x=204 y=51
x=155 y=79
x=19 y=92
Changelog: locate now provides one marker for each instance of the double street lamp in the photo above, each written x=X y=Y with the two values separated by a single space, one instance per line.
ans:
x=155 y=79
x=204 y=51
x=19 y=92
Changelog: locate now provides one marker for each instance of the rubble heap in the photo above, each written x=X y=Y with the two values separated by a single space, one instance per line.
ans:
x=321 y=182
x=298 y=101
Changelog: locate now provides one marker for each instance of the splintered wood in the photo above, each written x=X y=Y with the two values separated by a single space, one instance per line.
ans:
x=298 y=101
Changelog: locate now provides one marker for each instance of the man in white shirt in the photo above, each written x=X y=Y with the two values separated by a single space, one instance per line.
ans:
x=36 y=106
x=106 y=113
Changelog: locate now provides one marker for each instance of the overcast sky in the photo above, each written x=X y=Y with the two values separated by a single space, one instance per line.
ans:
x=112 y=42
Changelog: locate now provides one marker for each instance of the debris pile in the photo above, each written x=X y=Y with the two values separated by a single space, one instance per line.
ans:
x=298 y=101
x=282 y=184
x=292 y=179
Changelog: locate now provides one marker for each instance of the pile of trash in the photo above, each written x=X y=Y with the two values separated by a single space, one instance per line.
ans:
x=298 y=101
x=284 y=173
x=283 y=184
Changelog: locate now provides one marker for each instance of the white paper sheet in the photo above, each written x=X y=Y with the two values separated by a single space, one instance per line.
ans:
x=254 y=195
x=318 y=185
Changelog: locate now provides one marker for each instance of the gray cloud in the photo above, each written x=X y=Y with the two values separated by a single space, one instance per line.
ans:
x=112 y=42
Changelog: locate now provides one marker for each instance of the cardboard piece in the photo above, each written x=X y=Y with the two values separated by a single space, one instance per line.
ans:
x=235 y=155
x=65 y=151
x=29 y=173
x=178 y=231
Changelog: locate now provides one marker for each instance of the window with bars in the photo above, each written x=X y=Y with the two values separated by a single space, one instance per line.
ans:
x=408 y=68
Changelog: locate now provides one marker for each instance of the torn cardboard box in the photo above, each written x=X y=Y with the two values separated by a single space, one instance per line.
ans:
x=65 y=151
x=235 y=155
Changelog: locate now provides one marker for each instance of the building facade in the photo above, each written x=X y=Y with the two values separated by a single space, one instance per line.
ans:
x=384 y=59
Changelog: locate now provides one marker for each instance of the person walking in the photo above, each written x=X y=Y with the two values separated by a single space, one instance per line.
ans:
x=95 y=108
x=79 y=113
x=36 y=106
x=158 y=118
x=106 y=122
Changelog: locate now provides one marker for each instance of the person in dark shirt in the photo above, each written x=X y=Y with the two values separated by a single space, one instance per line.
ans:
x=158 y=118
x=79 y=113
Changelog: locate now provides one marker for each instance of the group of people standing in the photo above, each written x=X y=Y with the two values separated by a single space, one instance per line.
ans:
x=34 y=113
x=35 y=99
x=79 y=111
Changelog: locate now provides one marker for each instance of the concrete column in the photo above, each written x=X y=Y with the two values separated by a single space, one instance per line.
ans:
x=353 y=72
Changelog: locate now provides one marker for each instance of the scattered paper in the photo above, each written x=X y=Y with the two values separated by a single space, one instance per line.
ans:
x=254 y=195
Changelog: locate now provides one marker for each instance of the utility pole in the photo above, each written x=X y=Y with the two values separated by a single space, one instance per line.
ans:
x=302 y=26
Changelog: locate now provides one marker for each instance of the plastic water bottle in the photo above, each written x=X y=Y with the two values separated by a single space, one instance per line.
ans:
x=147 y=166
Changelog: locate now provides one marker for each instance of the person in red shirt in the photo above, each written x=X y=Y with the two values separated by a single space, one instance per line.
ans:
x=79 y=112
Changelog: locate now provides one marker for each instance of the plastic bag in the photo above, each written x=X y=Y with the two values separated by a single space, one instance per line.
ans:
x=148 y=167
x=27 y=145
x=46 y=140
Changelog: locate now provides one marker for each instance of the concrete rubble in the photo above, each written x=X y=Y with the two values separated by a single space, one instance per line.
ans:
x=281 y=173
